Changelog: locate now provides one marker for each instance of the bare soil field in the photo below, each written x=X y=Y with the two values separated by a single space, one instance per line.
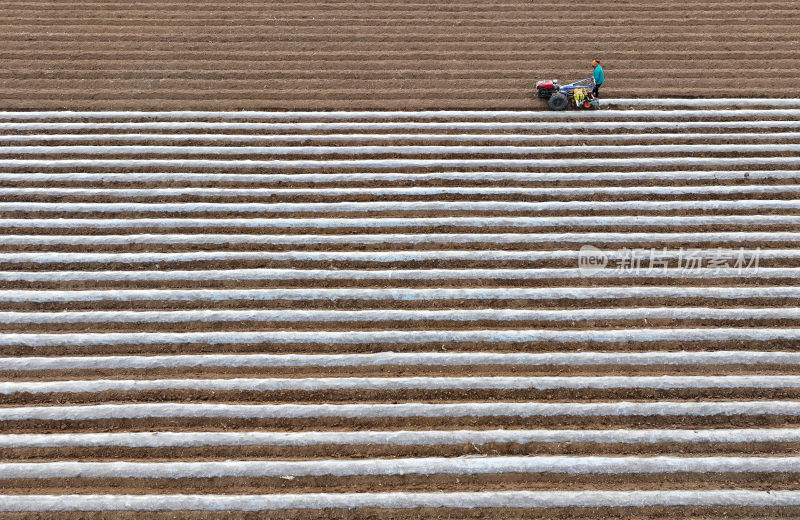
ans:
x=301 y=55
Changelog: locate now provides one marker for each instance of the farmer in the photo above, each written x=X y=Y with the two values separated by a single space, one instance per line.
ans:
x=599 y=78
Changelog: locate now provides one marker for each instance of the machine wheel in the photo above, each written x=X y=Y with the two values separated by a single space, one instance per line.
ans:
x=557 y=101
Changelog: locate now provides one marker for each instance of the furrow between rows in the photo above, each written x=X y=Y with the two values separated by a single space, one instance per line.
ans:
x=382 y=164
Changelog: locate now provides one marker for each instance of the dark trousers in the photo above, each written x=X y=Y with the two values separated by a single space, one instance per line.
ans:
x=596 y=91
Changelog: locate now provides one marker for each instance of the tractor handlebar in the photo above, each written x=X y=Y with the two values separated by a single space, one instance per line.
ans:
x=578 y=83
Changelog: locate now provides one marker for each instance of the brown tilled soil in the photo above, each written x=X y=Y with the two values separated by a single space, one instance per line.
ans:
x=356 y=54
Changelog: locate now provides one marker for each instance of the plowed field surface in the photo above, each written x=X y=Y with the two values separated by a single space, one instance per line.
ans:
x=387 y=54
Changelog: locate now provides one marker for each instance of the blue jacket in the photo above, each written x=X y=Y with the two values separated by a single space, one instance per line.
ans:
x=599 y=77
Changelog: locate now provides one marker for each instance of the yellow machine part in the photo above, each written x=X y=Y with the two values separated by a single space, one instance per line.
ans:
x=579 y=94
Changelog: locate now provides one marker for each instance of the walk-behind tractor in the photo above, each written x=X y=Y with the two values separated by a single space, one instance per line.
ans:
x=575 y=95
